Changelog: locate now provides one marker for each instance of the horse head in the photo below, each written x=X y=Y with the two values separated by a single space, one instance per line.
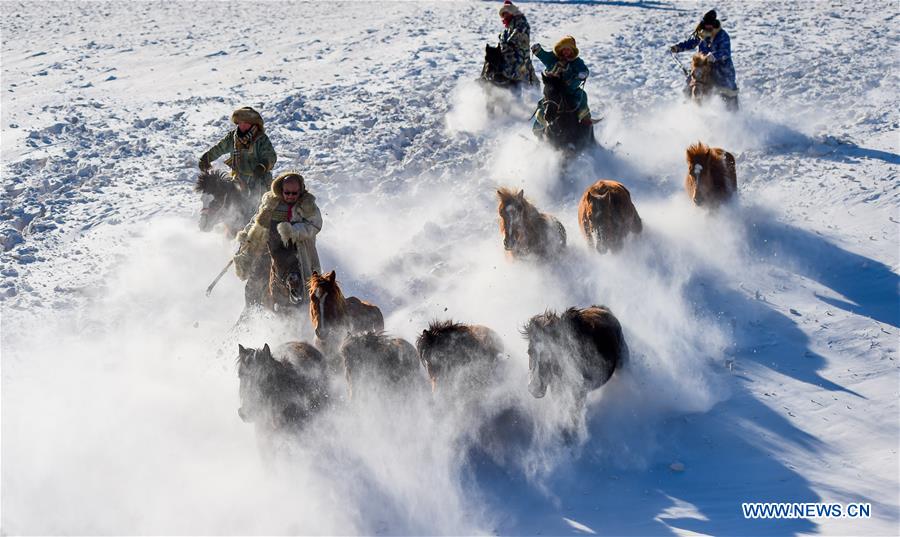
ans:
x=219 y=195
x=555 y=102
x=701 y=183
x=701 y=75
x=326 y=304
x=287 y=274
x=253 y=366
x=512 y=217
x=543 y=335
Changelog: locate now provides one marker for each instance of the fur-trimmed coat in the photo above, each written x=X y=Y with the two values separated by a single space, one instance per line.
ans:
x=269 y=228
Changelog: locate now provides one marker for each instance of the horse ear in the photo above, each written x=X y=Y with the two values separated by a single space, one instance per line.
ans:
x=241 y=349
x=266 y=349
x=330 y=276
x=315 y=273
x=521 y=194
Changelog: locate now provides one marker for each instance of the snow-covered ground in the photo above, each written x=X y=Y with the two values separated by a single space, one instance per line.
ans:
x=764 y=338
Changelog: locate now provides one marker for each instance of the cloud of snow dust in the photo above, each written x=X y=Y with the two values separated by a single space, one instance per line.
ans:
x=122 y=417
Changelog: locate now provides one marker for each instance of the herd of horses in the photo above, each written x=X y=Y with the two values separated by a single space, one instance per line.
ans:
x=572 y=352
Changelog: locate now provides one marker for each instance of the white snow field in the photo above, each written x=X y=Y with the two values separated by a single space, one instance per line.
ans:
x=764 y=336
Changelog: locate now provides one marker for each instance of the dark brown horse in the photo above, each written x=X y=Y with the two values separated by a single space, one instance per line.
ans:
x=453 y=352
x=286 y=291
x=607 y=215
x=712 y=176
x=281 y=391
x=223 y=202
x=334 y=317
x=375 y=359
x=573 y=353
x=527 y=231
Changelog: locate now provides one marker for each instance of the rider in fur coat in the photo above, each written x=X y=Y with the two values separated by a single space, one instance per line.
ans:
x=284 y=222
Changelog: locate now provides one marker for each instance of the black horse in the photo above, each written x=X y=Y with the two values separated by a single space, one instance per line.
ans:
x=492 y=71
x=223 y=201
x=563 y=129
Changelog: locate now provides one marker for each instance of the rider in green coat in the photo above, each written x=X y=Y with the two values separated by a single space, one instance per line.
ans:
x=251 y=155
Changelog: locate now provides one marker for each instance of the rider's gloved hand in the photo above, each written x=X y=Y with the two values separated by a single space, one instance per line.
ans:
x=710 y=58
x=204 y=164
x=673 y=48
x=535 y=48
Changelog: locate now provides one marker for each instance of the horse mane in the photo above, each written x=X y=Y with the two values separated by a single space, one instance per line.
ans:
x=707 y=156
x=210 y=181
x=436 y=329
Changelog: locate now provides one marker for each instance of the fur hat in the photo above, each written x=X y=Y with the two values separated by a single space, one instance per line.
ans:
x=711 y=19
x=278 y=183
x=509 y=9
x=246 y=115
x=566 y=42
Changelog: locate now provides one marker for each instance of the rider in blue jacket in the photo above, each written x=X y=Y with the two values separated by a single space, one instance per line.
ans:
x=715 y=43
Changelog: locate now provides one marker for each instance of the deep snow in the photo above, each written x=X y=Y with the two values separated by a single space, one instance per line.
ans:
x=764 y=337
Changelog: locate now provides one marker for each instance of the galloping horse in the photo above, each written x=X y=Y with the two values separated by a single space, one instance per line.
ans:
x=454 y=352
x=526 y=230
x=373 y=359
x=281 y=392
x=564 y=129
x=712 y=176
x=607 y=215
x=573 y=353
x=223 y=201
x=334 y=317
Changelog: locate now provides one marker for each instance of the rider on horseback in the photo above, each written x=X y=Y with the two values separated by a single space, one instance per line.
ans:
x=515 y=40
x=715 y=43
x=565 y=64
x=251 y=153
x=287 y=219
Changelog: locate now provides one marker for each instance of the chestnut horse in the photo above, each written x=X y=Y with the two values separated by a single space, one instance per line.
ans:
x=375 y=359
x=702 y=84
x=712 y=176
x=453 y=352
x=526 y=230
x=607 y=215
x=334 y=317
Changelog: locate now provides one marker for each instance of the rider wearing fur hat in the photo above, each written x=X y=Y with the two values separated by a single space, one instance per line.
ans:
x=515 y=41
x=564 y=63
x=287 y=219
x=715 y=43
x=251 y=155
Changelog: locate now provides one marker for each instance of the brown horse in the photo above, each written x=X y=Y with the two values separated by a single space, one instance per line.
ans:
x=526 y=230
x=375 y=359
x=453 y=352
x=281 y=391
x=702 y=85
x=286 y=291
x=712 y=176
x=607 y=215
x=701 y=78
x=334 y=317
x=573 y=353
